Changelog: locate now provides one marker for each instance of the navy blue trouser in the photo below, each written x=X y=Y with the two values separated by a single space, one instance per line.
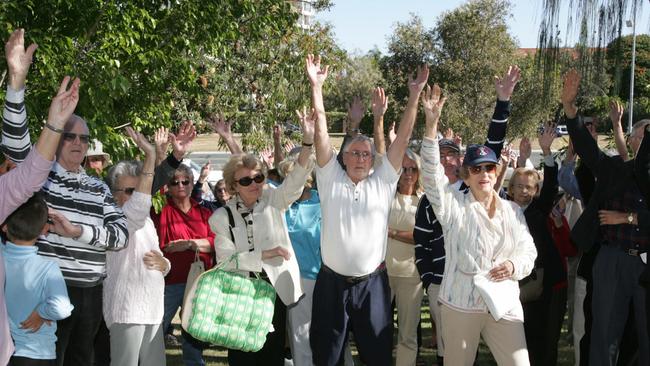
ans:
x=363 y=307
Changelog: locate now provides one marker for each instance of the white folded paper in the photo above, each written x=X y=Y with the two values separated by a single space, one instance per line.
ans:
x=500 y=297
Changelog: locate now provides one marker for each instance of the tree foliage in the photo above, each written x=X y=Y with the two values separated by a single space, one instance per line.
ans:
x=152 y=63
x=467 y=47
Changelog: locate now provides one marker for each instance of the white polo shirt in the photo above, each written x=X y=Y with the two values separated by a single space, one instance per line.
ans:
x=355 y=217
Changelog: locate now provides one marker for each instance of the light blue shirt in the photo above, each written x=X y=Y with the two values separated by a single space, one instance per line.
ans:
x=304 y=223
x=34 y=283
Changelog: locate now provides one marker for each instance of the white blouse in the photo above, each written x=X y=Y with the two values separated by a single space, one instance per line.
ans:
x=474 y=242
x=400 y=256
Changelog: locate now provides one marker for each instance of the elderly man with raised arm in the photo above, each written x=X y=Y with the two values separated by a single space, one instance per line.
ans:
x=617 y=218
x=85 y=220
x=351 y=290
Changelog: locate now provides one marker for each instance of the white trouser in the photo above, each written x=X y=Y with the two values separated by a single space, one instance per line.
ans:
x=133 y=342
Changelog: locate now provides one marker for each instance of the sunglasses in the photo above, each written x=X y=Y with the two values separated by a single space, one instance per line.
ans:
x=490 y=168
x=128 y=191
x=174 y=183
x=69 y=136
x=410 y=170
x=246 y=181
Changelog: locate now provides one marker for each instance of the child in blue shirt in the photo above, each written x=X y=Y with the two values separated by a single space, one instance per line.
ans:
x=36 y=294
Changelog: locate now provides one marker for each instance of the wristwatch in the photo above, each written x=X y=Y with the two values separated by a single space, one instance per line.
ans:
x=630 y=218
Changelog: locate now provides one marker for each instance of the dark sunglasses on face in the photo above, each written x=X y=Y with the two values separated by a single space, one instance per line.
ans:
x=174 y=183
x=128 y=191
x=69 y=136
x=490 y=168
x=246 y=181
x=410 y=170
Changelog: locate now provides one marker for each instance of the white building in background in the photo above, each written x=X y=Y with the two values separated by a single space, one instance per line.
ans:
x=307 y=12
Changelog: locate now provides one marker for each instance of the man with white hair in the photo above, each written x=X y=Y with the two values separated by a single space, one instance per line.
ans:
x=351 y=290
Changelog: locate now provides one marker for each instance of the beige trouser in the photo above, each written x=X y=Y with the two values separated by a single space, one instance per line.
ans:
x=408 y=293
x=434 y=307
x=462 y=331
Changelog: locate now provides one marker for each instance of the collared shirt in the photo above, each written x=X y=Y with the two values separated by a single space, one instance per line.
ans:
x=85 y=201
x=304 y=224
x=355 y=217
x=626 y=236
x=133 y=293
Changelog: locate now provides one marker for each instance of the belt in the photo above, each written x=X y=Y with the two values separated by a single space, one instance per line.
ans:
x=354 y=279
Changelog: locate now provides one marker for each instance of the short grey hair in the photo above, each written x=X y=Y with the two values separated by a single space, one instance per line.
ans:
x=184 y=170
x=361 y=138
x=131 y=168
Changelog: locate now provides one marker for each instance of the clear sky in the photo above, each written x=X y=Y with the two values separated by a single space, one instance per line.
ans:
x=360 y=25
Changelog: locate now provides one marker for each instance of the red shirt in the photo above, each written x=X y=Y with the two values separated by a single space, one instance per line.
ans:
x=175 y=224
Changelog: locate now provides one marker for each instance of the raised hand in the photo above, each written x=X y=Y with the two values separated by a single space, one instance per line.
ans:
x=416 y=85
x=64 y=103
x=222 y=127
x=205 y=171
x=307 y=124
x=161 y=140
x=546 y=138
x=18 y=59
x=570 y=93
x=432 y=102
x=315 y=73
x=141 y=141
x=506 y=155
x=182 y=140
x=267 y=157
x=379 y=104
x=506 y=85
x=616 y=110
x=458 y=140
x=356 y=111
x=524 y=150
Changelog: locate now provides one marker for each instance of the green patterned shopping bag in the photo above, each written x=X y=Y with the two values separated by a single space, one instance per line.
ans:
x=231 y=310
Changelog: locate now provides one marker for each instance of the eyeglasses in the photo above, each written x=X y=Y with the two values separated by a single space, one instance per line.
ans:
x=363 y=155
x=490 y=168
x=175 y=182
x=246 y=181
x=410 y=170
x=128 y=191
x=220 y=190
x=70 y=137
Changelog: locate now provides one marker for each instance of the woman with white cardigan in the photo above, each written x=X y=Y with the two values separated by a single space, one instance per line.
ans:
x=488 y=249
x=259 y=237
x=135 y=283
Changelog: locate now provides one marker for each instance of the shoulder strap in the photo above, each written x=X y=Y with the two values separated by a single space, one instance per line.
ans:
x=231 y=222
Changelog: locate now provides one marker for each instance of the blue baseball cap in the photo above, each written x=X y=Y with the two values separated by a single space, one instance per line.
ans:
x=477 y=154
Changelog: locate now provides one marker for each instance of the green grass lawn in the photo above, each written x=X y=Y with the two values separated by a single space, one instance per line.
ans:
x=219 y=356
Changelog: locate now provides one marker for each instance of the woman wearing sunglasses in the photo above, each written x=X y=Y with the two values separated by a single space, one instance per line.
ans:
x=184 y=234
x=135 y=283
x=260 y=239
x=488 y=249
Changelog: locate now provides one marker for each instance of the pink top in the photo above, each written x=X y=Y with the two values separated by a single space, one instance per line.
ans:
x=16 y=187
